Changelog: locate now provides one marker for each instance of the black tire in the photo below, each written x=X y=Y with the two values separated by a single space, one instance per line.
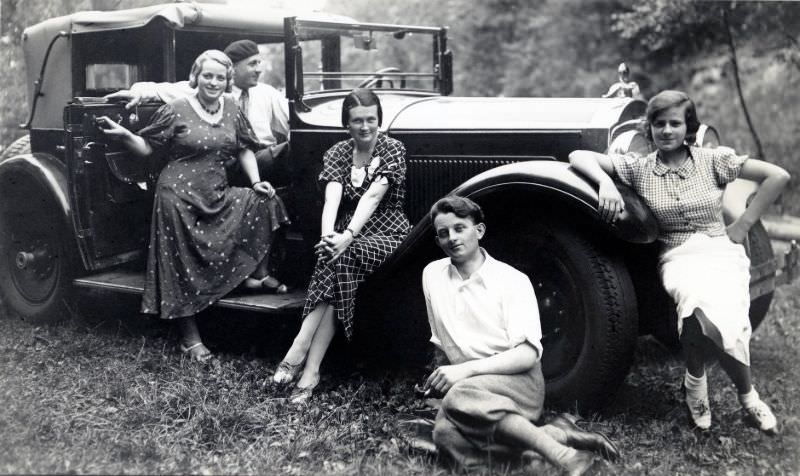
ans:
x=587 y=307
x=660 y=307
x=35 y=260
x=19 y=146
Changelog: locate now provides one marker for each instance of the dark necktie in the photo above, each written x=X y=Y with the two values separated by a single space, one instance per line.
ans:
x=244 y=99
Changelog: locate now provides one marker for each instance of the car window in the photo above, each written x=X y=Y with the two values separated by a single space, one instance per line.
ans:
x=104 y=77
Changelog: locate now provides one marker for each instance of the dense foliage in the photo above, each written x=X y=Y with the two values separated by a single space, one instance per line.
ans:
x=567 y=48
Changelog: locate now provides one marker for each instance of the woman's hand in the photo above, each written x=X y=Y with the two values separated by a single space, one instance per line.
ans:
x=737 y=232
x=111 y=128
x=333 y=245
x=610 y=203
x=444 y=377
x=265 y=188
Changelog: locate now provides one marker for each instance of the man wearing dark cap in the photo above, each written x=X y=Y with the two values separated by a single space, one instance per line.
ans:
x=264 y=106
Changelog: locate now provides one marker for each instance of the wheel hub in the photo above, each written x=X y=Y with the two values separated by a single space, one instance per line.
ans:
x=37 y=260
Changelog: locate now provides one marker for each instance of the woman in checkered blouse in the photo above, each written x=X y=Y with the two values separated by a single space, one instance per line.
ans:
x=703 y=263
x=362 y=224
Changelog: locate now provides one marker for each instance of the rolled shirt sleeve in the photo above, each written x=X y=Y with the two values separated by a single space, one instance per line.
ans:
x=727 y=166
x=166 y=92
x=626 y=167
x=435 y=340
x=522 y=311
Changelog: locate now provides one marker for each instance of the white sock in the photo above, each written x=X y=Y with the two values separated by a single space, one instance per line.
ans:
x=750 y=398
x=696 y=387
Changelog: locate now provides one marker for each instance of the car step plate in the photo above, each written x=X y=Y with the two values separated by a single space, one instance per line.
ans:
x=132 y=282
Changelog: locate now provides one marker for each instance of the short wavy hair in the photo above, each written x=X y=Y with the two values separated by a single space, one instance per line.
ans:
x=212 y=55
x=360 y=97
x=461 y=207
x=665 y=100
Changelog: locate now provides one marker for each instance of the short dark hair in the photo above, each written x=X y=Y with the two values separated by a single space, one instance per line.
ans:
x=360 y=97
x=665 y=100
x=461 y=207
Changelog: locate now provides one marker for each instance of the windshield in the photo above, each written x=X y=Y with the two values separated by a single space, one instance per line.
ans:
x=337 y=56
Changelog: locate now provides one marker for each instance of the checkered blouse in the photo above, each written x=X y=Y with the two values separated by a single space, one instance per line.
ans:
x=685 y=200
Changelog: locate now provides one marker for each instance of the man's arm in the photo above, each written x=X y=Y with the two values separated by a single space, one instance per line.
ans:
x=148 y=91
x=513 y=361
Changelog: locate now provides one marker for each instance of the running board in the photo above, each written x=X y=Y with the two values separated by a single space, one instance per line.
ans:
x=132 y=282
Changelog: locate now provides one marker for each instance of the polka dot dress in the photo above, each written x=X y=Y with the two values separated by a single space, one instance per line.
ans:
x=337 y=283
x=206 y=237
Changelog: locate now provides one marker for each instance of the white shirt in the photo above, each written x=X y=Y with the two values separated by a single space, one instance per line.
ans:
x=268 y=110
x=492 y=311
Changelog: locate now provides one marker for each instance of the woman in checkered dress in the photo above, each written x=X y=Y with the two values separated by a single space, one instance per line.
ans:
x=362 y=224
x=703 y=263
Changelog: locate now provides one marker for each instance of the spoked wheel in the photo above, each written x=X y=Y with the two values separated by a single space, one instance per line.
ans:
x=587 y=308
x=34 y=267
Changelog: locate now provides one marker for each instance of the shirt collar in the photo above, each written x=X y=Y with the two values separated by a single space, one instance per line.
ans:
x=684 y=171
x=479 y=273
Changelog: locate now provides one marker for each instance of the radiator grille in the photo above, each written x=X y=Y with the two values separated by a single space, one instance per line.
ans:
x=428 y=179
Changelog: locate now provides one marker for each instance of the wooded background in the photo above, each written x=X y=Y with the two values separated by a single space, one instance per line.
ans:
x=740 y=61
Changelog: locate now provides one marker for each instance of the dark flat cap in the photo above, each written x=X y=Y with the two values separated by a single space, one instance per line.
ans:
x=242 y=49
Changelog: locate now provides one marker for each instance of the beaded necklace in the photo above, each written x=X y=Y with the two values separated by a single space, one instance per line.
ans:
x=207 y=109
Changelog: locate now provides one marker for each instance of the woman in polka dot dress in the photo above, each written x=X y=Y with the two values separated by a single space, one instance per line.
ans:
x=362 y=224
x=206 y=238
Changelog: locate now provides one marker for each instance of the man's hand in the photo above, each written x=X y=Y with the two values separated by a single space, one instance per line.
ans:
x=446 y=376
x=133 y=99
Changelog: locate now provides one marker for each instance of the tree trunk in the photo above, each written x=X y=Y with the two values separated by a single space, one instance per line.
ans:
x=735 y=65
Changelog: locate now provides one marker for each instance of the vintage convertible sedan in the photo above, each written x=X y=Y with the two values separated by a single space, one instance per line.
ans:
x=75 y=206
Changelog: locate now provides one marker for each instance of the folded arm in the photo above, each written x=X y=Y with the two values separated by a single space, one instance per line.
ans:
x=337 y=243
x=599 y=168
x=772 y=179
x=513 y=361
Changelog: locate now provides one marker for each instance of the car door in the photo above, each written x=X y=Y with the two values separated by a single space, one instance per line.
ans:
x=111 y=189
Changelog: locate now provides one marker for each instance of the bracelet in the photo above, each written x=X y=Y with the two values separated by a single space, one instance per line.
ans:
x=352 y=233
x=255 y=183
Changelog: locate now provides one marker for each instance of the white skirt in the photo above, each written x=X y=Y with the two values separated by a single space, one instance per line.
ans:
x=710 y=278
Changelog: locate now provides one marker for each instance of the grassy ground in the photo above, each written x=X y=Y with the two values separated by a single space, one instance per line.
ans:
x=108 y=395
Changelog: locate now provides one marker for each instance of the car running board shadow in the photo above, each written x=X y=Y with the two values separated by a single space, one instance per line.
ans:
x=132 y=282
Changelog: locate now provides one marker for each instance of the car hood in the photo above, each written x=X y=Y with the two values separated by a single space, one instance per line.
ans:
x=497 y=114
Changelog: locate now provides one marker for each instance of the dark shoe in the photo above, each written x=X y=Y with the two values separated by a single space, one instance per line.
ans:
x=196 y=352
x=286 y=372
x=580 y=463
x=267 y=284
x=586 y=440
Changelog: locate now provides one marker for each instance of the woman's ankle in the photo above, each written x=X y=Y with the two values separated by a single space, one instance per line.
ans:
x=309 y=378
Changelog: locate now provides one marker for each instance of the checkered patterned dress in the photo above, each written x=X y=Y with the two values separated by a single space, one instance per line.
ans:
x=337 y=283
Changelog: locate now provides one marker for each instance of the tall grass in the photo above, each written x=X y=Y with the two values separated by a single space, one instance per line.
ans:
x=113 y=396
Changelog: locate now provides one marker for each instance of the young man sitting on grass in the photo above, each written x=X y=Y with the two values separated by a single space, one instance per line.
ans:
x=484 y=317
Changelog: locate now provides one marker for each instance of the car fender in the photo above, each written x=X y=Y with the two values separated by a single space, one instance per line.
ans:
x=635 y=225
x=49 y=172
